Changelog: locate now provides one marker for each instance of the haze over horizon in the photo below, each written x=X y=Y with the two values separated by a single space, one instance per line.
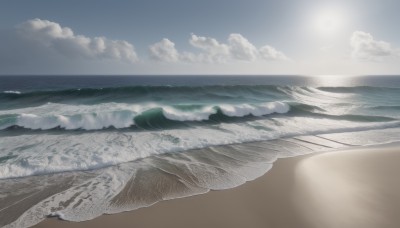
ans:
x=185 y=37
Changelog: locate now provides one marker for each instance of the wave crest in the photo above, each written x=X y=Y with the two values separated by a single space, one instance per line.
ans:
x=151 y=116
x=117 y=119
x=255 y=110
x=12 y=92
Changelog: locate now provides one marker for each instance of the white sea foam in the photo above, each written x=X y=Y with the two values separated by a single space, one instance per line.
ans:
x=194 y=115
x=255 y=110
x=12 y=91
x=50 y=153
x=120 y=119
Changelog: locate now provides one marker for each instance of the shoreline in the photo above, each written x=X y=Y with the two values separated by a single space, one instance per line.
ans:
x=352 y=187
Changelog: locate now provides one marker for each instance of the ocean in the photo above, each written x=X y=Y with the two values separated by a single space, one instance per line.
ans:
x=106 y=144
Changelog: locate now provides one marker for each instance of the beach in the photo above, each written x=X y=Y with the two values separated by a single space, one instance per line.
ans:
x=355 y=187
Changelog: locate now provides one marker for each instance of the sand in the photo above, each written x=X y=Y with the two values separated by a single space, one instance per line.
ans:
x=349 y=188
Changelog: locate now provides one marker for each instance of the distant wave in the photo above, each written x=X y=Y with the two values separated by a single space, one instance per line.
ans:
x=12 y=92
x=178 y=94
x=136 y=93
x=386 y=107
x=357 y=89
x=142 y=90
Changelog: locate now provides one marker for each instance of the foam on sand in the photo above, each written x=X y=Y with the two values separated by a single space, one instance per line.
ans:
x=80 y=196
x=345 y=188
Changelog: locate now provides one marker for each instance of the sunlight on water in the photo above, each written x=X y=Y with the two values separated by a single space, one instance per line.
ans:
x=335 y=80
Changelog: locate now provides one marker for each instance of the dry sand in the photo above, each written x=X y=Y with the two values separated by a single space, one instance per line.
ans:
x=349 y=188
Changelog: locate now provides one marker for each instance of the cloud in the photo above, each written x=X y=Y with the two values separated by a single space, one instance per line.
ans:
x=208 y=44
x=164 y=51
x=62 y=40
x=237 y=48
x=213 y=51
x=365 y=47
x=45 y=47
x=270 y=53
x=241 y=49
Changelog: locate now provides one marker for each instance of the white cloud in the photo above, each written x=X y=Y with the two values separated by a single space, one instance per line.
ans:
x=241 y=49
x=164 y=51
x=63 y=40
x=237 y=48
x=270 y=53
x=44 y=47
x=208 y=44
x=365 y=47
x=213 y=50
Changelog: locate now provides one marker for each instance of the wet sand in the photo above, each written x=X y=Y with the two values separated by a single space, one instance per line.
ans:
x=348 y=188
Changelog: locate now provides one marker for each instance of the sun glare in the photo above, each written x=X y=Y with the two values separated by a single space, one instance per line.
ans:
x=328 y=21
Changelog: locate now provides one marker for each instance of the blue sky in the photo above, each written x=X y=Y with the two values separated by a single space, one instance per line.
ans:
x=200 y=37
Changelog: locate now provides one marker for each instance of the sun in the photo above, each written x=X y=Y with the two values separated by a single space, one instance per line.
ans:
x=328 y=21
x=328 y=24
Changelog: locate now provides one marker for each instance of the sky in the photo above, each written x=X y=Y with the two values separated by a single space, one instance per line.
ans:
x=301 y=37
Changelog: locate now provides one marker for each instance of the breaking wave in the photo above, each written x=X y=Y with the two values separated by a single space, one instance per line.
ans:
x=160 y=115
